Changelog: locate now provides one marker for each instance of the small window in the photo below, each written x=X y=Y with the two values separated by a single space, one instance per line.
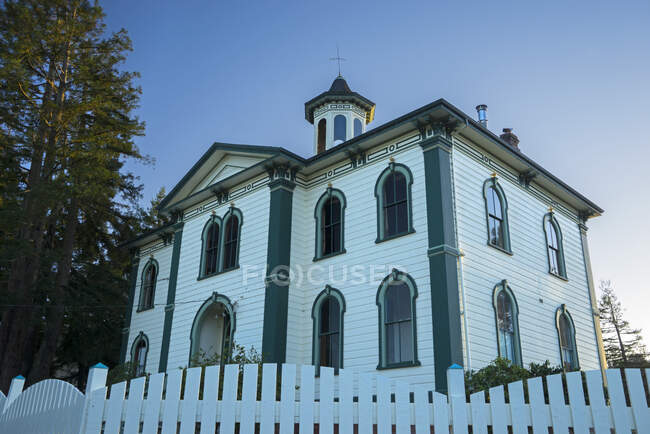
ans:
x=554 y=248
x=496 y=209
x=139 y=354
x=329 y=216
x=340 y=129
x=148 y=288
x=393 y=192
x=231 y=242
x=567 y=339
x=506 y=315
x=211 y=234
x=211 y=336
x=396 y=301
x=322 y=136
x=327 y=314
x=358 y=127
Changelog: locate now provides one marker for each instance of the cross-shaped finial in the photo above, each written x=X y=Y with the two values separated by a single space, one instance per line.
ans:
x=338 y=58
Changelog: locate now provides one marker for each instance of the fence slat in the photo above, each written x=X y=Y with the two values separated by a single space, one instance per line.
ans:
x=479 y=413
x=383 y=405
x=498 y=410
x=402 y=408
x=152 y=404
x=95 y=412
x=440 y=413
x=617 y=401
x=422 y=410
x=306 y=399
x=172 y=401
x=518 y=412
x=326 y=415
x=577 y=403
x=288 y=398
x=599 y=411
x=229 y=399
x=457 y=400
x=638 y=400
x=365 y=404
x=190 y=400
x=210 y=395
x=249 y=398
x=345 y=402
x=267 y=418
x=114 y=409
x=134 y=405
x=559 y=413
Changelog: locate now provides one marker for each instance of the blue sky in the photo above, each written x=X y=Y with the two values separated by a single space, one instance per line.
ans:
x=571 y=78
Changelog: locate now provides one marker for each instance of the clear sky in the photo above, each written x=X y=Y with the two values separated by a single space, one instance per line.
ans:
x=571 y=78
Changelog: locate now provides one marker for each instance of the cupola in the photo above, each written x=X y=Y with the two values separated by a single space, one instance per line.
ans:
x=338 y=115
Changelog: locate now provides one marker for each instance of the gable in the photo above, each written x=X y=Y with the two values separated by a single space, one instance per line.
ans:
x=227 y=166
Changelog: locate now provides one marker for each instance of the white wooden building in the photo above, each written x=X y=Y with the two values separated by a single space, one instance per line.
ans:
x=421 y=243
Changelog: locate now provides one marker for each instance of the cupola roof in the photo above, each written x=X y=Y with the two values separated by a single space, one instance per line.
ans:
x=339 y=91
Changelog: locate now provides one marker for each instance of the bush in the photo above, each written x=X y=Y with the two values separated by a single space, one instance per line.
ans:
x=502 y=371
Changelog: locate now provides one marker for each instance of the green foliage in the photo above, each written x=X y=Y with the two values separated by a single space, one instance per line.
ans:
x=119 y=373
x=502 y=371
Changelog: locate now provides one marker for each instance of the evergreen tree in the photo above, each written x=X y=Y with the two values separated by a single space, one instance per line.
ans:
x=624 y=346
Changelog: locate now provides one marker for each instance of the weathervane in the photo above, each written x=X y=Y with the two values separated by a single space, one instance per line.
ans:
x=338 y=58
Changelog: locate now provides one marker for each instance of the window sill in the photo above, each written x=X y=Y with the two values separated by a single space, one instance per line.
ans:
x=143 y=309
x=207 y=276
x=410 y=364
x=392 y=237
x=558 y=276
x=502 y=250
x=331 y=255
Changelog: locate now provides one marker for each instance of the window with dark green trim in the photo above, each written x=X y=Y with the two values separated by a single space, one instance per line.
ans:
x=496 y=213
x=148 y=285
x=554 y=247
x=212 y=331
x=232 y=222
x=394 y=205
x=330 y=220
x=397 y=324
x=210 y=247
x=327 y=315
x=139 y=351
x=567 y=339
x=506 y=315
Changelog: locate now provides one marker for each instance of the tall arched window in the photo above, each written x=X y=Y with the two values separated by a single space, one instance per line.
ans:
x=148 y=286
x=232 y=222
x=340 y=129
x=397 y=326
x=210 y=247
x=358 y=127
x=554 y=247
x=506 y=314
x=327 y=315
x=330 y=219
x=567 y=338
x=496 y=211
x=322 y=136
x=139 y=352
x=393 y=193
x=212 y=332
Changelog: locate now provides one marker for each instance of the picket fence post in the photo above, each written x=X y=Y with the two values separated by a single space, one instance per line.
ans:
x=456 y=397
x=96 y=382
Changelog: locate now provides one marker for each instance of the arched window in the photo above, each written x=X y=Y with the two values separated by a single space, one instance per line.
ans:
x=232 y=222
x=148 y=286
x=554 y=248
x=340 y=129
x=393 y=193
x=210 y=250
x=358 y=127
x=506 y=314
x=397 y=332
x=330 y=219
x=322 y=136
x=496 y=211
x=327 y=315
x=139 y=351
x=567 y=338
x=212 y=332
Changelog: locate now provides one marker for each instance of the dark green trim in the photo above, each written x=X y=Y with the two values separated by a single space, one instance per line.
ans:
x=214 y=219
x=503 y=202
x=237 y=213
x=315 y=316
x=171 y=297
x=133 y=278
x=276 y=298
x=551 y=217
x=331 y=255
x=562 y=310
x=379 y=184
x=396 y=276
x=150 y=263
x=503 y=286
x=443 y=256
x=215 y=298
x=141 y=336
x=399 y=365
x=317 y=217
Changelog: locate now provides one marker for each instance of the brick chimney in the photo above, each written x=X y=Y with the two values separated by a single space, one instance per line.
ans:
x=510 y=138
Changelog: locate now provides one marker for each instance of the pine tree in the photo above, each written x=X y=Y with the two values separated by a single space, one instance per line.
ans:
x=623 y=345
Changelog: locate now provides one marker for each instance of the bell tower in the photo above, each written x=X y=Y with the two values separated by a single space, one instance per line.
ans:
x=338 y=115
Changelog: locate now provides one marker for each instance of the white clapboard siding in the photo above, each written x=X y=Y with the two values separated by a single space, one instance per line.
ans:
x=345 y=403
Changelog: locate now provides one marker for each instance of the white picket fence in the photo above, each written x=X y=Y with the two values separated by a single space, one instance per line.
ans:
x=348 y=403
